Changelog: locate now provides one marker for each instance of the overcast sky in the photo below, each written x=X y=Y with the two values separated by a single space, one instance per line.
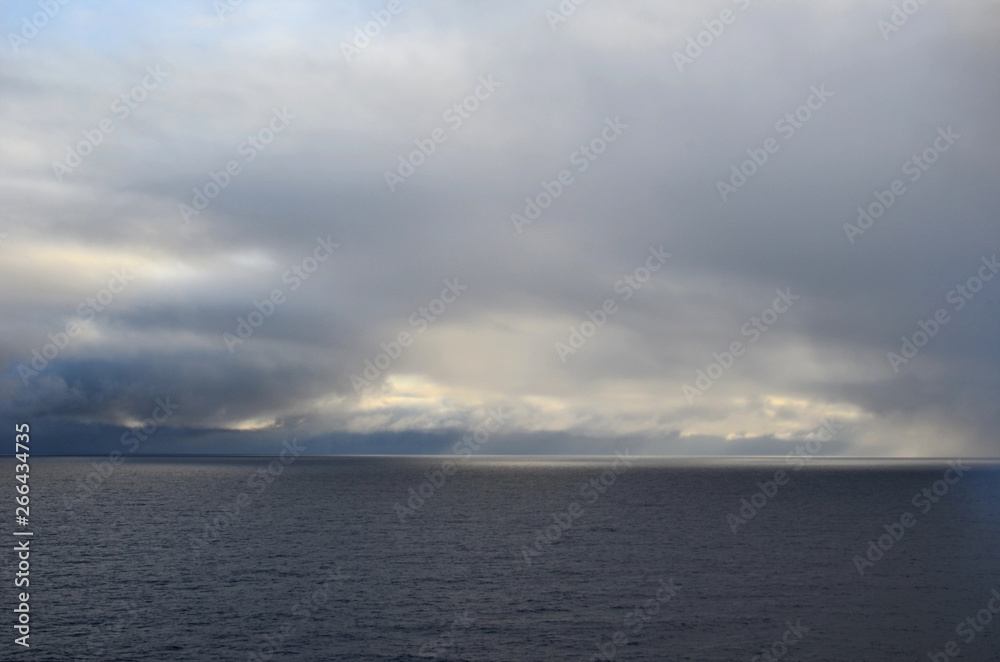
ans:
x=478 y=177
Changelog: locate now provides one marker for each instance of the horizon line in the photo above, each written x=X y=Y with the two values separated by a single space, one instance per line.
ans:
x=528 y=455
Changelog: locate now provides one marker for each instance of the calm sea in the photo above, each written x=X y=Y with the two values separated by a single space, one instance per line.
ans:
x=521 y=559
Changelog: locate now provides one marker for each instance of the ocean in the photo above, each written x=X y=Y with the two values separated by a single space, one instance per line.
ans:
x=510 y=559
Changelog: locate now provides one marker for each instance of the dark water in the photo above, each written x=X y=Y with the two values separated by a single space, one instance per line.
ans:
x=317 y=564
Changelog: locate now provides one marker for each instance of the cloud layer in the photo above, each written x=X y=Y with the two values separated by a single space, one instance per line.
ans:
x=503 y=183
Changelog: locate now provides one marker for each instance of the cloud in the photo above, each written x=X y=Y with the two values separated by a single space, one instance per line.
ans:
x=323 y=176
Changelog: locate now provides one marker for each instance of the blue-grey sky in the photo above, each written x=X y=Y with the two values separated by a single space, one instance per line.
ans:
x=677 y=227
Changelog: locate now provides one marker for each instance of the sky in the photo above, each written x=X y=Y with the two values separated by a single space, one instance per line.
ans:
x=672 y=227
